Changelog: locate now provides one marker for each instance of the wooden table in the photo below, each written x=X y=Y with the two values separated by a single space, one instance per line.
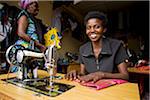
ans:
x=141 y=77
x=136 y=70
x=126 y=91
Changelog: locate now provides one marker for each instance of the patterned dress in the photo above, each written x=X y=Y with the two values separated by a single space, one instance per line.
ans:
x=31 y=31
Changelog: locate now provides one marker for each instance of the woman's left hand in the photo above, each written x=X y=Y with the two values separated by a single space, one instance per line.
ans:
x=91 y=77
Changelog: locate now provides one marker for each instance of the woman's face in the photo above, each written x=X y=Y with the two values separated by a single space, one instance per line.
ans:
x=95 y=29
x=33 y=8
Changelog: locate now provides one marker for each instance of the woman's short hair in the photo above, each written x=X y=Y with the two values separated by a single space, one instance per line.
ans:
x=96 y=14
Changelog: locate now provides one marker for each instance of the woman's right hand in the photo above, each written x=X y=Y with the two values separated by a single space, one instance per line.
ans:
x=42 y=48
x=72 y=75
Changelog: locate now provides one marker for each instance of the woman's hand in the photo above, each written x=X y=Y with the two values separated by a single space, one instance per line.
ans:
x=72 y=75
x=40 y=46
x=91 y=77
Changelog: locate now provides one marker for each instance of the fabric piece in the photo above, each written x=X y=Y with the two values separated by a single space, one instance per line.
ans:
x=143 y=68
x=103 y=83
x=56 y=19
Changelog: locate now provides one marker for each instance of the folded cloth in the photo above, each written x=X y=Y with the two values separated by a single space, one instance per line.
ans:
x=143 y=68
x=103 y=83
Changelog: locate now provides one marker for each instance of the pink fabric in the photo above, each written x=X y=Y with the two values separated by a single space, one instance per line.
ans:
x=143 y=68
x=25 y=3
x=103 y=83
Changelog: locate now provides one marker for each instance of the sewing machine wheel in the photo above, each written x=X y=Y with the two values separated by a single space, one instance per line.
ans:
x=12 y=52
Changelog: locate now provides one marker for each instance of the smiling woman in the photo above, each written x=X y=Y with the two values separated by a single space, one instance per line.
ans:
x=101 y=57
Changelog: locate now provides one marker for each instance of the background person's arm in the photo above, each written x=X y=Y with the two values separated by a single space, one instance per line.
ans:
x=22 y=26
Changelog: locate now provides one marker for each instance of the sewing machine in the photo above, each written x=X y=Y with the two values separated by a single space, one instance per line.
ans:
x=26 y=59
x=19 y=56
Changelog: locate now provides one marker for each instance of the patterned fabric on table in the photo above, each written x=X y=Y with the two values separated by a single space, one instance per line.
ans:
x=103 y=83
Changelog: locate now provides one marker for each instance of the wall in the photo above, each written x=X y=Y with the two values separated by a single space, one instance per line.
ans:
x=44 y=13
x=68 y=44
